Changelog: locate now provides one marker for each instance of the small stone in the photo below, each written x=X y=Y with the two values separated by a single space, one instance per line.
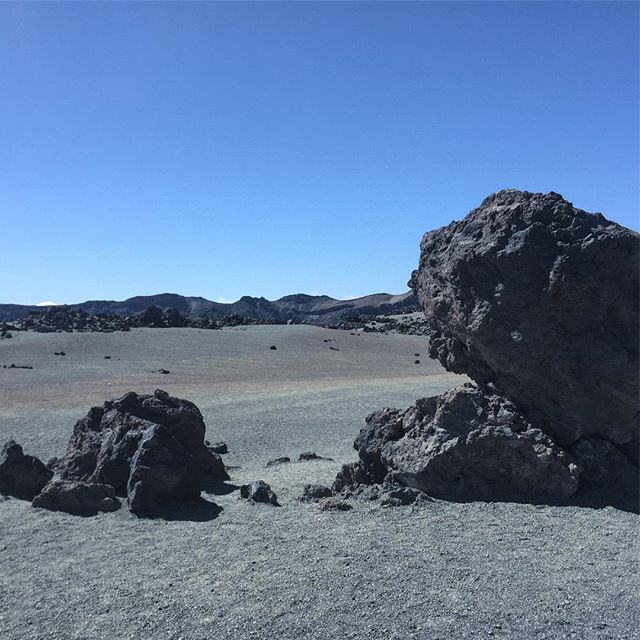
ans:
x=282 y=460
x=333 y=504
x=259 y=491
x=315 y=492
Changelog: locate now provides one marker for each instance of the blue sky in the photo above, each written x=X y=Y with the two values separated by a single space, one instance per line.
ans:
x=224 y=149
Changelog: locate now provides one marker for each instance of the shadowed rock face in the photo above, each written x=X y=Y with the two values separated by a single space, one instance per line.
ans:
x=149 y=448
x=21 y=476
x=540 y=299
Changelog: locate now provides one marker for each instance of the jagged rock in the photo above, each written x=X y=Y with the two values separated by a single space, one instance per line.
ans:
x=352 y=479
x=259 y=491
x=315 y=492
x=394 y=494
x=151 y=317
x=173 y=318
x=162 y=471
x=540 y=299
x=218 y=447
x=77 y=497
x=21 y=476
x=309 y=455
x=333 y=504
x=148 y=447
x=282 y=460
x=466 y=444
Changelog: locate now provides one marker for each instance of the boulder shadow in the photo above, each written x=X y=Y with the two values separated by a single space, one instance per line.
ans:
x=201 y=510
x=218 y=487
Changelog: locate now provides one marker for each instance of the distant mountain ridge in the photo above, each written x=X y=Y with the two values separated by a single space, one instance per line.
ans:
x=299 y=307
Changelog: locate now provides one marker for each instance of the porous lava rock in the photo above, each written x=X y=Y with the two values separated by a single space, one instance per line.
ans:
x=21 y=476
x=540 y=299
x=149 y=448
x=466 y=444
x=315 y=492
x=77 y=497
x=537 y=302
x=259 y=491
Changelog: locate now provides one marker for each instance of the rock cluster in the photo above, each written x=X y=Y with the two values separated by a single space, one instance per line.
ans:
x=68 y=319
x=406 y=325
x=147 y=448
x=537 y=302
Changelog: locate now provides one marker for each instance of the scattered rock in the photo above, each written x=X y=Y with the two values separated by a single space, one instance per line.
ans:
x=259 y=491
x=21 y=476
x=282 y=460
x=315 y=492
x=416 y=362
x=77 y=497
x=107 y=357
x=273 y=347
x=333 y=504
x=311 y=455
x=218 y=447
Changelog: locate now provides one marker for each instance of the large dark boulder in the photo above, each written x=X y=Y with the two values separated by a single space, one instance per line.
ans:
x=21 y=476
x=466 y=444
x=149 y=448
x=537 y=302
x=540 y=299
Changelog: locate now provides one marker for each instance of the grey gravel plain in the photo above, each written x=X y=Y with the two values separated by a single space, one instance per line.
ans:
x=227 y=568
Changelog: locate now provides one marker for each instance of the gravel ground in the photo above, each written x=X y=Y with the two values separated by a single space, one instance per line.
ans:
x=230 y=569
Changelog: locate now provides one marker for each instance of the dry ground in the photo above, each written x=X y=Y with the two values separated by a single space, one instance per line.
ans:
x=240 y=571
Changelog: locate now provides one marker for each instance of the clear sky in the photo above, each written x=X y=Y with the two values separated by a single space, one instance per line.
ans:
x=224 y=149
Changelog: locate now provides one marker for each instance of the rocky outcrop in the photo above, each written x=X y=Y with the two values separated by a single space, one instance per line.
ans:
x=21 y=476
x=465 y=444
x=149 y=448
x=537 y=302
x=540 y=299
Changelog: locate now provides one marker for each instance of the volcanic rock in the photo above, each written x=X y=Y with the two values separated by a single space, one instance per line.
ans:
x=315 y=492
x=218 y=447
x=147 y=447
x=282 y=460
x=333 y=504
x=540 y=299
x=259 y=491
x=21 y=476
x=77 y=497
x=466 y=444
